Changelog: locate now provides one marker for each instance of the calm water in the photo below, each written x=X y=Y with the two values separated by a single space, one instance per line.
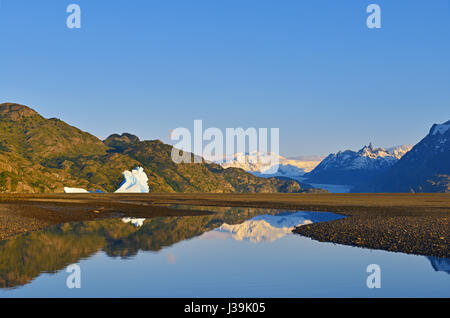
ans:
x=232 y=253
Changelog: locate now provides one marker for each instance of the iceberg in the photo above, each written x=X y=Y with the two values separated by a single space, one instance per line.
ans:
x=136 y=181
x=74 y=190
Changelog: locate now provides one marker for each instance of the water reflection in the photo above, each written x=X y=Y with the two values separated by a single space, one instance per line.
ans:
x=24 y=258
x=268 y=228
x=440 y=264
x=137 y=222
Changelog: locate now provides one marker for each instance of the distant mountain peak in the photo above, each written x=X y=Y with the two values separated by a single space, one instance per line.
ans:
x=16 y=111
x=372 y=152
x=352 y=167
x=396 y=152
x=425 y=168
x=264 y=164
x=399 y=151
x=125 y=137
x=120 y=142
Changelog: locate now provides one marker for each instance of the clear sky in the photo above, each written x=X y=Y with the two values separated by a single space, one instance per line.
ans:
x=311 y=68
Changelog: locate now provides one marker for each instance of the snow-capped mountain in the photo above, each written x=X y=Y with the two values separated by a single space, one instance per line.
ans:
x=425 y=168
x=353 y=167
x=399 y=151
x=269 y=164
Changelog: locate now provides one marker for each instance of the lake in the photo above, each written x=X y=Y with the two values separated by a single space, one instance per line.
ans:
x=235 y=252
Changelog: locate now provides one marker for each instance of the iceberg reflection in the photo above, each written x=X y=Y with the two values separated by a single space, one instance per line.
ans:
x=137 y=222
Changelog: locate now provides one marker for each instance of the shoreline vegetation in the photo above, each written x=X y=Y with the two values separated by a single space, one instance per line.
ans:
x=408 y=223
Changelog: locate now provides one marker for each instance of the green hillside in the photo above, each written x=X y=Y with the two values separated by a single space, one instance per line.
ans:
x=39 y=155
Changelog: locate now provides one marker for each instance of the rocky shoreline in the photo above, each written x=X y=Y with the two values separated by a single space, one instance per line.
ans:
x=422 y=235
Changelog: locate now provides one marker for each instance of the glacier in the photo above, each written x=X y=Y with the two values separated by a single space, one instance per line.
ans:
x=263 y=164
x=135 y=181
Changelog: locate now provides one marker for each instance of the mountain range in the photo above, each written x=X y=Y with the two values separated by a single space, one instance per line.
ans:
x=355 y=167
x=40 y=155
x=425 y=168
x=260 y=164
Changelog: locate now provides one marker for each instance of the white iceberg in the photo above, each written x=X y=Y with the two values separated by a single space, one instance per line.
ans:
x=136 y=181
x=74 y=190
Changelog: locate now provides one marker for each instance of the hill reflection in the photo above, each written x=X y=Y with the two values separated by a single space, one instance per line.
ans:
x=25 y=257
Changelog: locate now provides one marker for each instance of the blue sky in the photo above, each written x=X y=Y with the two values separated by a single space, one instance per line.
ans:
x=311 y=68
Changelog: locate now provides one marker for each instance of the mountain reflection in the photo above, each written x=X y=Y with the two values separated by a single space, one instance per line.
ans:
x=268 y=228
x=440 y=264
x=25 y=257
